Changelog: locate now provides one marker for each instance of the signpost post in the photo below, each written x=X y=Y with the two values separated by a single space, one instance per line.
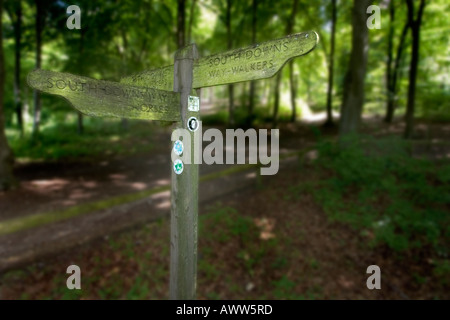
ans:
x=184 y=196
x=168 y=94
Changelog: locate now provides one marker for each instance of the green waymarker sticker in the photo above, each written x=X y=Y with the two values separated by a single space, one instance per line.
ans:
x=178 y=166
x=254 y=62
x=108 y=99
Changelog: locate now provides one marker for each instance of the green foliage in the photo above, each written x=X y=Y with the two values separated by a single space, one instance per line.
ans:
x=284 y=288
x=122 y=37
x=261 y=115
x=434 y=104
x=140 y=289
x=375 y=186
x=442 y=270
x=59 y=141
x=225 y=225
x=240 y=116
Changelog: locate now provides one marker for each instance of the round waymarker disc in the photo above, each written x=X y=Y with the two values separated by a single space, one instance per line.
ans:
x=178 y=166
x=192 y=124
x=178 y=147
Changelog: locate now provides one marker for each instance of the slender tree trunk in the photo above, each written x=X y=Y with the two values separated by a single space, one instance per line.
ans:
x=124 y=69
x=292 y=82
x=353 y=100
x=251 y=104
x=392 y=91
x=329 y=121
x=293 y=85
x=40 y=18
x=80 y=126
x=181 y=23
x=308 y=91
x=230 y=46
x=289 y=28
x=244 y=94
x=16 y=17
x=191 y=20
x=415 y=30
x=389 y=75
x=276 y=105
x=6 y=156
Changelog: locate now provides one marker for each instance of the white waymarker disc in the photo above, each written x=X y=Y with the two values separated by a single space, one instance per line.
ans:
x=178 y=166
x=178 y=147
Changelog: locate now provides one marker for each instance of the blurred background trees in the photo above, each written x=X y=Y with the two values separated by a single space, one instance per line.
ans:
x=400 y=70
x=384 y=92
x=6 y=157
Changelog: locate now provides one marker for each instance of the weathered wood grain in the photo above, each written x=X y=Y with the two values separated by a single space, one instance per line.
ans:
x=184 y=193
x=258 y=61
x=159 y=78
x=108 y=99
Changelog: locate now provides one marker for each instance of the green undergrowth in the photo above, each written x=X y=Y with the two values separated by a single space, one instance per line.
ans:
x=225 y=226
x=379 y=189
x=255 y=257
x=100 y=138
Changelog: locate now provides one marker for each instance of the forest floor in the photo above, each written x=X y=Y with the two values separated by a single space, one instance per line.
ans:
x=262 y=241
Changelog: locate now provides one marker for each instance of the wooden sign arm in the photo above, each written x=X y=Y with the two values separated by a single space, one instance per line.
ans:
x=107 y=98
x=258 y=61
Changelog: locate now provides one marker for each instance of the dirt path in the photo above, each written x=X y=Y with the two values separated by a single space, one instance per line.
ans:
x=52 y=187
x=297 y=253
x=330 y=264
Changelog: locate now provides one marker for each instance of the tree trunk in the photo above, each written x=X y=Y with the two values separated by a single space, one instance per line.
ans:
x=251 y=104
x=415 y=28
x=80 y=126
x=16 y=17
x=289 y=28
x=244 y=94
x=392 y=90
x=293 y=86
x=353 y=100
x=40 y=18
x=292 y=82
x=230 y=46
x=191 y=20
x=6 y=156
x=389 y=74
x=329 y=121
x=276 y=105
x=181 y=18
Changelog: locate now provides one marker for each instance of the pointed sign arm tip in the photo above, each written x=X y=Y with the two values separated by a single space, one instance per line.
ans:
x=254 y=62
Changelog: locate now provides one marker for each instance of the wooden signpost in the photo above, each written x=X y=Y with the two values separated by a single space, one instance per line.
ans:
x=168 y=94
